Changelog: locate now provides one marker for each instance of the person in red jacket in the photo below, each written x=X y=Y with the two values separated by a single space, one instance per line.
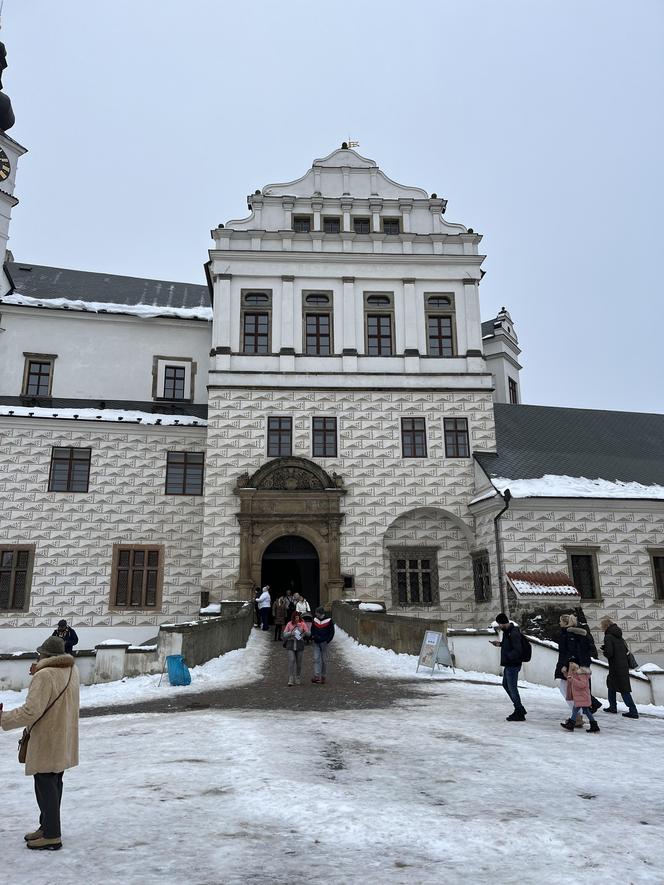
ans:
x=322 y=633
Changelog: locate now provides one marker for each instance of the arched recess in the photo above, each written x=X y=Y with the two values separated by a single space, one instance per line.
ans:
x=290 y=496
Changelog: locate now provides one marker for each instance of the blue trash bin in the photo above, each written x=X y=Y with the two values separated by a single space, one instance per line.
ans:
x=178 y=672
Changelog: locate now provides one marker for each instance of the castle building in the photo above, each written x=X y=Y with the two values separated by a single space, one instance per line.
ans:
x=329 y=414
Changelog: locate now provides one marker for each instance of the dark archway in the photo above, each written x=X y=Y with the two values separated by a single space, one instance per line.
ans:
x=291 y=562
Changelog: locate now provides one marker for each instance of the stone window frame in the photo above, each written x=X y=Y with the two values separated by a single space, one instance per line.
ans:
x=590 y=550
x=332 y=218
x=653 y=554
x=410 y=435
x=31 y=551
x=247 y=308
x=398 y=552
x=127 y=607
x=49 y=358
x=389 y=220
x=70 y=460
x=362 y=219
x=300 y=218
x=379 y=310
x=443 y=312
x=159 y=364
x=513 y=390
x=280 y=417
x=468 y=438
x=323 y=417
x=318 y=309
x=481 y=575
x=183 y=458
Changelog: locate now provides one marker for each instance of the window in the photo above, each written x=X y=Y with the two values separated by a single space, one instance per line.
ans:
x=457 y=444
x=413 y=438
x=482 y=576
x=513 y=390
x=38 y=374
x=256 y=315
x=137 y=576
x=441 y=329
x=302 y=224
x=657 y=563
x=349 y=582
x=332 y=225
x=391 y=226
x=256 y=299
x=362 y=225
x=184 y=473
x=414 y=575
x=174 y=381
x=317 y=298
x=378 y=310
x=70 y=470
x=582 y=563
x=15 y=576
x=324 y=437
x=317 y=327
x=279 y=437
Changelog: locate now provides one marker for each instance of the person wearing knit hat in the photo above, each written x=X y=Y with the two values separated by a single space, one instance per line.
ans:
x=68 y=634
x=50 y=715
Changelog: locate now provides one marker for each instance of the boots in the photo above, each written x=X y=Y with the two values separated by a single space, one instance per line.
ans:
x=610 y=710
x=43 y=844
x=322 y=680
x=568 y=725
x=631 y=715
x=315 y=679
x=30 y=837
x=594 y=728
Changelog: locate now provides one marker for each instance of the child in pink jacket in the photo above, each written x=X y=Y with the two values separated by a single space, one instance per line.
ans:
x=578 y=691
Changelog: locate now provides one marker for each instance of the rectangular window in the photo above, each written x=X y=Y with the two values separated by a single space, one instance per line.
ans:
x=379 y=334
x=413 y=438
x=583 y=569
x=332 y=225
x=15 y=576
x=414 y=575
x=184 y=473
x=317 y=326
x=391 y=226
x=513 y=390
x=70 y=470
x=279 y=437
x=362 y=225
x=137 y=577
x=256 y=333
x=38 y=374
x=324 y=437
x=174 y=378
x=457 y=443
x=482 y=577
x=657 y=560
x=441 y=338
x=302 y=224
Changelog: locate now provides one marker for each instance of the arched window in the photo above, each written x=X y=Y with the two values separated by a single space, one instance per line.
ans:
x=439 y=301
x=317 y=299
x=256 y=298
x=378 y=301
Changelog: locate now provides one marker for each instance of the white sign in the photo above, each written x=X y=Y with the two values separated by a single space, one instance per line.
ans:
x=434 y=651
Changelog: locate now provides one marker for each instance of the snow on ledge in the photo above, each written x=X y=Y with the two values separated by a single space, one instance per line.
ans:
x=145 y=311
x=118 y=415
x=550 y=486
x=371 y=607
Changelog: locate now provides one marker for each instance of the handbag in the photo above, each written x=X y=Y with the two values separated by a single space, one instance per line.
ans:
x=24 y=740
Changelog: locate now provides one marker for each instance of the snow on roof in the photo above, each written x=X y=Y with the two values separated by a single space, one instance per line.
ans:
x=541 y=584
x=116 y=415
x=550 y=486
x=139 y=310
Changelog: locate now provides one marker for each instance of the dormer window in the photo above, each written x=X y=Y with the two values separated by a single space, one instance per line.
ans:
x=302 y=224
x=391 y=226
x=173 y=378
x=332 y=225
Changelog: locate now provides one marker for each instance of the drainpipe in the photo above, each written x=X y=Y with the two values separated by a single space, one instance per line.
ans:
x=507 y=497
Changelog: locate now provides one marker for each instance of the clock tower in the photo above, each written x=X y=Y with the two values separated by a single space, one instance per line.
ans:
x=10 y=151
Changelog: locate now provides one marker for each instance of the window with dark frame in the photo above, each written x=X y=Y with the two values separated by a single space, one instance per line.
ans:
x=137 y=577
x=15 y=576
x=174 y=380
x=70 y=470
x=482 y=576
x=362 y=225
x=391 y=226
x=658 y=573
x=256 y=333
x=583 y=567
x=184 y=473
x=441 y=336
x=513 y=391
x=457 y=442
x=38 y=378
x=302 y=224
x=331 y=225
x=379 y=334
x=279 y=437
x=324 y=437
x=413 y=438
x=317 y=334
x=414 y=577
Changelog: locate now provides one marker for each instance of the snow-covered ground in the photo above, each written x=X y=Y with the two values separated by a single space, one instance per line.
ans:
x=437 y=788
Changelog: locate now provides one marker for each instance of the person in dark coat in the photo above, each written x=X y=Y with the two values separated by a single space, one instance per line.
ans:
x=322 y=633
x=511 y=659
x=68 y=636
x=615 y=651
x=574 y=643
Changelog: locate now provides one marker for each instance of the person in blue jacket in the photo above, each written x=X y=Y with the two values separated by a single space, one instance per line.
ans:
x=511 y=659
x=322 y=633
x=68 y=636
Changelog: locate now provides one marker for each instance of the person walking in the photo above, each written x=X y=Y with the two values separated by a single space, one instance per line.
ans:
x=279 y=613
x=67 y=634
x=511 y=659
x=50 y=713
x=578 y=691
x=615 y=651
x=264 y=603
x=576 y=643
x=295 y=632
x=322 y=633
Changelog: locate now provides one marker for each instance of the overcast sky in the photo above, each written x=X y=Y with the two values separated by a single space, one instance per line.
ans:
x=149 y=121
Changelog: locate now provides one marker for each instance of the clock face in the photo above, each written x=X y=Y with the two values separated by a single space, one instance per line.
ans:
x=5 y=167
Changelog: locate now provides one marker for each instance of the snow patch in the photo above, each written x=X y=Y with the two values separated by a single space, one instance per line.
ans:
x=126 y=415
x=370 y=607
x=551 y=486
x=146 y=311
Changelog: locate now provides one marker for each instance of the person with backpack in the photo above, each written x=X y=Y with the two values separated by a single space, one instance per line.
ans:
x=514 y=649
x=68 y=636
x=322 y=633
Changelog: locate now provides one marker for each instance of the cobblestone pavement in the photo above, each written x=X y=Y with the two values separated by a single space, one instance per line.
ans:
x=344 y=690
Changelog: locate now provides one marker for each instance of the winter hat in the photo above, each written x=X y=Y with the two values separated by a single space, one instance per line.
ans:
x=53 y=646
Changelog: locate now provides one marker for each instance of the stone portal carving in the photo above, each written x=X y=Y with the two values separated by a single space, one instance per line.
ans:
x=290 y=496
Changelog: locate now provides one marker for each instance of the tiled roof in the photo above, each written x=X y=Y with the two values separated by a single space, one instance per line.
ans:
x=542 y=584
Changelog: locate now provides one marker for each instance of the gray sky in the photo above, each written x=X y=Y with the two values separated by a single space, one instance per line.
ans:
x=149 y=121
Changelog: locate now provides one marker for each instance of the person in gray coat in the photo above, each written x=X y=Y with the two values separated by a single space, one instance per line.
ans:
x=615 y=651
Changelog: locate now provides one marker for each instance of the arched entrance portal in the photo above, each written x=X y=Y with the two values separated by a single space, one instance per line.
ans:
x=291 y=563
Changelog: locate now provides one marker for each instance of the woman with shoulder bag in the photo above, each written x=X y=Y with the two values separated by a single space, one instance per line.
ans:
x=616 y=652
x=295 y=632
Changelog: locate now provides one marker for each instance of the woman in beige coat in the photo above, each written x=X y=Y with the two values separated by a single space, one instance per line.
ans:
x=53 y=745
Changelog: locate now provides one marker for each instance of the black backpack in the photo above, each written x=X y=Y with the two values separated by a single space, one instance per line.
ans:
x=526 y=648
